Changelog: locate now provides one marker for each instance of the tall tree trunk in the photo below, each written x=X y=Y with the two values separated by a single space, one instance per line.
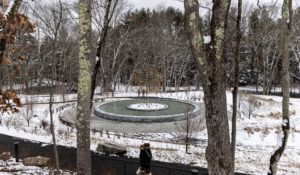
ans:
x=164 y=75
x=270 y=75
x=236 y=82
x=52 y=130
x=211 y=68
x=287 y=15
x=53 y=78
x=84 y=90
x=101 y=43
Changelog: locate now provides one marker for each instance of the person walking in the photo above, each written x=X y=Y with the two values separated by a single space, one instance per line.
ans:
x=145 y=160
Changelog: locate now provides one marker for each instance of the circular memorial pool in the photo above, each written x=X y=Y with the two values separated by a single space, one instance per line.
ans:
x=146 y=110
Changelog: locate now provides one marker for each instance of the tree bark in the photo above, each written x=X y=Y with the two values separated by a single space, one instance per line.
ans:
x=54 y=78
x=57 y=172
x=213 y=76
x=287 y=15
x=236 y=81
x=84 y=90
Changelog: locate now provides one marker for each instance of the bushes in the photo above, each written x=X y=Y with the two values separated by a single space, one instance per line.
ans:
x=247 y=104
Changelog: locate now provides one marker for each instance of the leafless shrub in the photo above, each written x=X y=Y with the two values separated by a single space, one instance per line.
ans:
x=249 y=130
x=44 y=124
x=257 y=129
x=247 y=104
x=195 y=97
x=65 y=134
x=276 y=115
x=189 y=128
x=292 y=113
x=266 y=131
x=28 y=109
x=7 y=122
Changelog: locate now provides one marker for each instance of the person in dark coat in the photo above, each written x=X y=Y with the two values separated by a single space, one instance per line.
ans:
x=145 y=158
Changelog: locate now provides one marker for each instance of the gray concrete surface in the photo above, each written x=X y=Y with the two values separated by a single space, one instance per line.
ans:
x=69 y=116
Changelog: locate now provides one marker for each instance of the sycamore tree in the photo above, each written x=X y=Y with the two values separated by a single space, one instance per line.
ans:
x=84 y=90
x=12 y=25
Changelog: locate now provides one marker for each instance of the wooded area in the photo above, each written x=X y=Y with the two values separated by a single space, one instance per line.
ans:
x=74 y=47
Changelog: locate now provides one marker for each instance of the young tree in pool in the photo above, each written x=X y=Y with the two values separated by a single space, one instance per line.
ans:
x=84 y=90
x=287 y=16
x=211 y=66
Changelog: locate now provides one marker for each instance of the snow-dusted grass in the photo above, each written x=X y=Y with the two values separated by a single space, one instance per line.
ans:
x=258 y=130
x=10 y=167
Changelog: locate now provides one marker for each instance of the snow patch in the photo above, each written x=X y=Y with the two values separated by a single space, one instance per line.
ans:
x=207 y=39
x=147 y=106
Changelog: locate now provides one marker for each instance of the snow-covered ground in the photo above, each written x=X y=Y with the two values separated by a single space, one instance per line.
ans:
x=259 y=127
x=10 y=167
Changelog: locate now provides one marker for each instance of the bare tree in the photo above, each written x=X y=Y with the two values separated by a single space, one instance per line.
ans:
x=287 y=16
x=50 y=18
x=28 y=109
x=211 y=67
x=110 y=6
x=189 y=128
x=236 y=81
x=263 y=42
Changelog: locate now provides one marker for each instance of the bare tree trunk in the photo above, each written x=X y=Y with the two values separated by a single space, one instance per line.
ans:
x=236 y=82
x=287 y=15
x=270 y=77
x=164 y=75
x=54 y=78
x=187 y=136
x=51 y=82
x=107 y=18
x=211 y=68
x=57 y=172
x=84 y=90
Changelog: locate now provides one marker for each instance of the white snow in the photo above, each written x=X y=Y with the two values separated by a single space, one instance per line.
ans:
x=147 y=106
x=256 y=136
x=18 y=168
x=207 y=39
